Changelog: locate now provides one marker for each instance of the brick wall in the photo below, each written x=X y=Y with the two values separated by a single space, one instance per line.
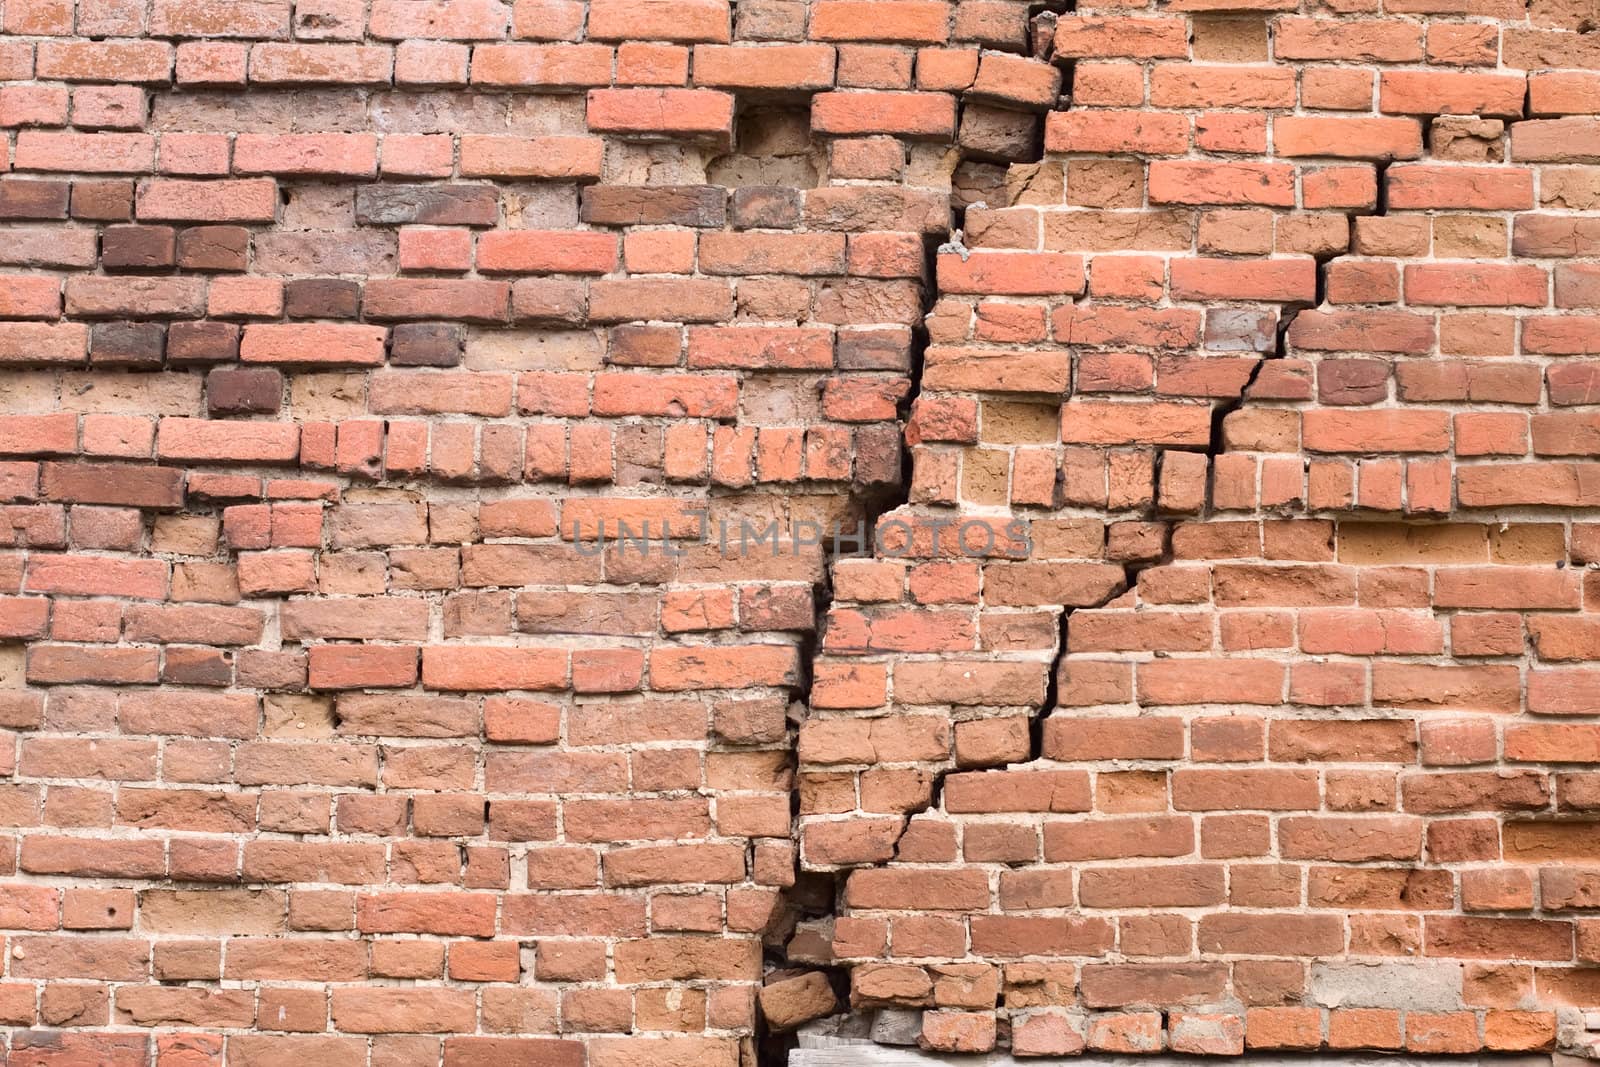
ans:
x=1215 y=382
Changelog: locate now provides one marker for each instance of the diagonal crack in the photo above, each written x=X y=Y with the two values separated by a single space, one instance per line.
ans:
x=821 y=895
x=871 y=504
x=823 y=892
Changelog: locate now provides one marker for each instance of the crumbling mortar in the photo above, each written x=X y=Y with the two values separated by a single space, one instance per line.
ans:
x=1282 y=347
x=868 y=504
x=772 y=1049
x=1215 y=446
x=873 y=504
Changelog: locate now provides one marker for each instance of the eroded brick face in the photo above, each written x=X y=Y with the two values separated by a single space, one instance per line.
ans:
x=1216 y=376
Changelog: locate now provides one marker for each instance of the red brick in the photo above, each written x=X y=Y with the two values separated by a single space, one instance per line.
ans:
x=1347 y=138
x=98 y=153
x=1472 y=188
x=204 y=440
x=493 y=668
x=1135 y=37
x=665 y=20
x=320 y=64
x=1116 y=132
x=451 y=19
x=903 y=21
x=316 y=344
x=1284 y=280
x=789 y=67
x=1011 y=273
x=685 y=111
x=320 y=154
x=547 y=252
x=360 y=666
x=690 y=395
x=1183 y=182
x=554 y=66
x=918 y=115
x=344 y=554
x=1407 y=92
x=1477 y=285
x=242 y=200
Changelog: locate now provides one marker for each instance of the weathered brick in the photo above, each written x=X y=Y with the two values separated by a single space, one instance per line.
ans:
x=1211 y=444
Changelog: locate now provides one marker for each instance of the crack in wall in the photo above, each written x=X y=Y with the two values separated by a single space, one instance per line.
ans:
x=821 y=895
x=1281 y=348
x=899 y=495
x=871 y=504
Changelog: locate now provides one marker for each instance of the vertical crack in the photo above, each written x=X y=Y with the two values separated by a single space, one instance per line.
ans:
x=1380 y=206
x=818 y=897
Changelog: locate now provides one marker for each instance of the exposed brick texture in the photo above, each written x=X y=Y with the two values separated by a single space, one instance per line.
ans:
x=1217 y=380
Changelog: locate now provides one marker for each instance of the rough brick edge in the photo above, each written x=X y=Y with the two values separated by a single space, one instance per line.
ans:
x=818 y=991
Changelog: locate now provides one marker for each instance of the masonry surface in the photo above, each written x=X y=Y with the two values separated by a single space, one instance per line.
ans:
x=1216 y=384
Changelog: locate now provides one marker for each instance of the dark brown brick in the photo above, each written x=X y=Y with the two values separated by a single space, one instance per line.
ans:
x=1352 y=381
x=138 y=247
x=887 y=349
x=197 y=666
x=877 y=455
x=322 y=298
x=766 y=207
x=103 y=201
x=110 y=483
x=1003 y=136
x=645 y=346
x=136 y=343
x=214 y=248
x=244 y=391
x=435 y=205
x=654 y=205
x=202 y=342
x=22 y=199
x=425 y=344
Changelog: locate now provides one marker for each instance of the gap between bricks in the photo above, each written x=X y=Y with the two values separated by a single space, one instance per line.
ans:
x=874 y=506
